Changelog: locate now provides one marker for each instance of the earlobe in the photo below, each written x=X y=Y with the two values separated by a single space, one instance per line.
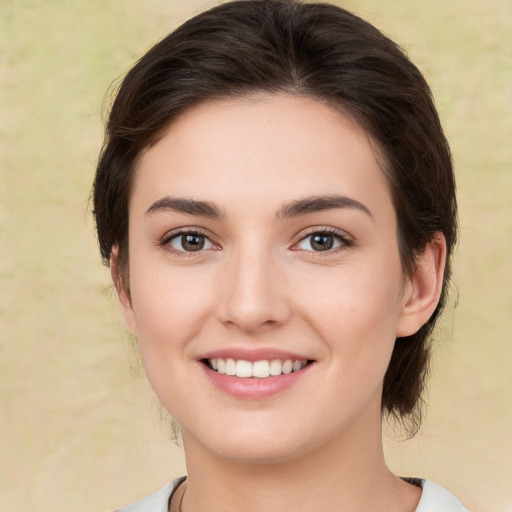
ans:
x=122 y=291
x=424 y=288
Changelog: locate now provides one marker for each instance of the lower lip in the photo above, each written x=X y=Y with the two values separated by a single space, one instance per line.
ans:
x=254 y=388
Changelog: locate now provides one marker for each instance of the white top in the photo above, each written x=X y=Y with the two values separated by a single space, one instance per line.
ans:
x=433 y=498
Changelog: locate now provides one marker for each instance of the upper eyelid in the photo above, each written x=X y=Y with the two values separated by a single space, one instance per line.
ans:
x=186 y=231
x=301 y=235
x=344 y=238
x=323 y=229
x=165 y=242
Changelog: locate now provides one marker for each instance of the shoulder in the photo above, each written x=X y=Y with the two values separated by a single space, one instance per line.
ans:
x=156 y=502
x=435 y=499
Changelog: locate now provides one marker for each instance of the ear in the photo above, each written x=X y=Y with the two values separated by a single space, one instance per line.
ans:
x=423 y=288
x=122 y=291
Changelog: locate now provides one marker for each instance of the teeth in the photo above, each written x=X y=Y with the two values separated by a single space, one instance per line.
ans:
x=260 y=369
x=275 y=367
x=296 y=366
x=230 y=367
x=243 y=369
x=287 y=366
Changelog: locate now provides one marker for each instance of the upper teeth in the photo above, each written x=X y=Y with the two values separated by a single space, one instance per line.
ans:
x=261 y=369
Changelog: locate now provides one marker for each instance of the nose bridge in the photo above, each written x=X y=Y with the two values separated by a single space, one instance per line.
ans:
x=254 y=296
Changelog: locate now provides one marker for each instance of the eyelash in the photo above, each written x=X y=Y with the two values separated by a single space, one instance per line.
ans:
x=344 y=240
x=165 y=242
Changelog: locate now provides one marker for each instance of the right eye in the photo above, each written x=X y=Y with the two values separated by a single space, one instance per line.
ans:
x=190 y=242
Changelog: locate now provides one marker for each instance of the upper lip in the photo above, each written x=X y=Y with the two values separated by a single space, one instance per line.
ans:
x=254 y=354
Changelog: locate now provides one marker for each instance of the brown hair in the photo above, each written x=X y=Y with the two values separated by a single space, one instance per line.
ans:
x=313 y=49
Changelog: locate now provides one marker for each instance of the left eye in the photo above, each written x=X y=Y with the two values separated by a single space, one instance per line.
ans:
x=190 y=242
x=320 y=242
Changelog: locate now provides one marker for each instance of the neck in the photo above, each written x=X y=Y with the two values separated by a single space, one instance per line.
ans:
x=345 y=474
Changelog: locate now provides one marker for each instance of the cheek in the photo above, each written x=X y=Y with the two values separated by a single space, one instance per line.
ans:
x=170 y=310
x=356 y=314
x=351 y=299
x=169 y=306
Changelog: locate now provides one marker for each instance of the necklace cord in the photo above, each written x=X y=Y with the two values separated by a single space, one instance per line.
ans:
x=182 y=496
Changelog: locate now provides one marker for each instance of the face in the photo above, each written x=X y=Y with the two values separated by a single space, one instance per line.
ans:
x=263 y=242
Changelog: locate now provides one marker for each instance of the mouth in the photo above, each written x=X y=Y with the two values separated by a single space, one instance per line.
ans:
x=261 y=369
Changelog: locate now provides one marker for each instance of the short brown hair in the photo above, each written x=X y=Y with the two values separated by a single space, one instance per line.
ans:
x=312 y=49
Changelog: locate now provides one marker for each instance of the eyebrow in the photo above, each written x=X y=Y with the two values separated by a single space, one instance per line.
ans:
x=313 y=204
x=304 y=206
x=184 y=205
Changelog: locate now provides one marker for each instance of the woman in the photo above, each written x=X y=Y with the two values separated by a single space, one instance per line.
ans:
x=276 y=201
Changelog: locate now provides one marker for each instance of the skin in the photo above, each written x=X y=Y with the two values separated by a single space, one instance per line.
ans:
x=259 y=283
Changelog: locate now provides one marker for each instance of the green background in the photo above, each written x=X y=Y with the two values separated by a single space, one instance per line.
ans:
x=79 y=427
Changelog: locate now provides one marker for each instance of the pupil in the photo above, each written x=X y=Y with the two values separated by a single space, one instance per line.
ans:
x=192 y=242
x=322 y=242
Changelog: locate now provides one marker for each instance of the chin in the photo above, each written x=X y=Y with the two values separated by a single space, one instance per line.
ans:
x=257 y=454
x=252 y=443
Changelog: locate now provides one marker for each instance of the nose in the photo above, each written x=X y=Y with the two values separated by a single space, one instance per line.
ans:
x=254 y=297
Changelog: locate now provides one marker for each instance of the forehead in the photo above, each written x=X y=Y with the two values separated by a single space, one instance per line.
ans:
x=269 y=148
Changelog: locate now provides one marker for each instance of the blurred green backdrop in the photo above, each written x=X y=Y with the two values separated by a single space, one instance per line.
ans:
x=79 y=427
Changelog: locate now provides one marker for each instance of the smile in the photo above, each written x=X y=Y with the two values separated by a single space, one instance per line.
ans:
x=259 y=369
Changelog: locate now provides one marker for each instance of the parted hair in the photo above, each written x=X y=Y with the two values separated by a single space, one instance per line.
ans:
x=317 y=50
